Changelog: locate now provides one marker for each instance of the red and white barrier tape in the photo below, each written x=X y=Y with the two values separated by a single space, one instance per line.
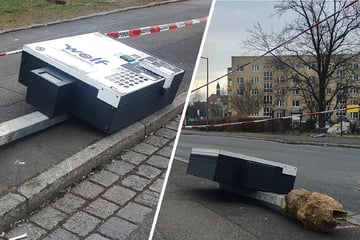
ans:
x=3 y=54
x=135 y=32
x=265 y=120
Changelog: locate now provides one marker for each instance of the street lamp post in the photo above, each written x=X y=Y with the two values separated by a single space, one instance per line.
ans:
x=207 y=91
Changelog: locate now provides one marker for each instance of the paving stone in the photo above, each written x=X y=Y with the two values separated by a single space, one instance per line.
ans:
x=96 y=237
x=104 y=178
x=157 y=185
x=117 y=228
x=48 y=218
x=145 y=148
x=148 y=171
x=174 y=125
x=101 y=208
x=68 y=203
x=148 y=198
x=134 y=212
x=12 y=207
x=120 y=167
x=81 y=223
x=62 y=234
x=87 y=189
x=165 y=152
x=166 y=133
x=33 y=232
x=157 y=141
x=158 y=161
x=133 y=157
x=135 y=182
x=119 y=195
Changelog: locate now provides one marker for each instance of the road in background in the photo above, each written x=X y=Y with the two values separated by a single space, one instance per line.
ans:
x=195 y=207
x=27 y=157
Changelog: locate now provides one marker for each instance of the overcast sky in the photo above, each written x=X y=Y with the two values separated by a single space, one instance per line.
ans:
x=228 y=28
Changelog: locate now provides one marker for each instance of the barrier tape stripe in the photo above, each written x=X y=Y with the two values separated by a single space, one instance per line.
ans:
x=136 y=32
x=265 y=120
x=10 y=52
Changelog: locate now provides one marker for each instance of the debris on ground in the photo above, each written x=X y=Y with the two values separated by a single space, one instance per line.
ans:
x=57 y=1
x=316 y=211
x=320 y=135
x=337 y=128
x=19 y=237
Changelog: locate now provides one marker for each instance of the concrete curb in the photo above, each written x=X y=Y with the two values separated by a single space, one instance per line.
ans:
x=88 y=16
x=30 y=195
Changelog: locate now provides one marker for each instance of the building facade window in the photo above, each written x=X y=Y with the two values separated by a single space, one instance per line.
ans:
x=255 y=80
x=280 y=91
x=354 y=115
x=267 y=66
x=267 y=111
x=240 y=80
x=280 y=113
x=341 y=100
x=255 y=91
x=229 y=82
x=280 y=79
x=240 y=68
x=267 y=88
x=280 y=103
x=296 y=91
x=240 y=92
x=255 y=68
x=354 y=77
x=354 y=90
x=354 y=66
x=296 y=103
x=353 y=102
x=340 y=74
x=267 y=100
x=267 y=76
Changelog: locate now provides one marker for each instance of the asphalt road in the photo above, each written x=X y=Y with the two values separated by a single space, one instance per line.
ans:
x=27 y=157
x=195 y=208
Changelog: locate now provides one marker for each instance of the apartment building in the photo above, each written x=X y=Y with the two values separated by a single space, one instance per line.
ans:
x=266 y=86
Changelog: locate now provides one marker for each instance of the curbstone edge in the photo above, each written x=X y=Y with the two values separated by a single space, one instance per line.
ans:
x=39 y=189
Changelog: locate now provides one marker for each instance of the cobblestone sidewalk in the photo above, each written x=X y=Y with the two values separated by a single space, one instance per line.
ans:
x=113 y=201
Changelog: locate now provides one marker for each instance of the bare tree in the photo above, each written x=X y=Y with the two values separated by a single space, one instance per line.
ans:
x=247 y=101
x=329 y=48
x=198 y=96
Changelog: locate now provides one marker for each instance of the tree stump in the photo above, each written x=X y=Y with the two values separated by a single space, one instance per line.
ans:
x=316 y=211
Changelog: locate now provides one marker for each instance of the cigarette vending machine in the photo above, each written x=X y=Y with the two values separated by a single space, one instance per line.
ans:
x=240 y=170
x=98 y=79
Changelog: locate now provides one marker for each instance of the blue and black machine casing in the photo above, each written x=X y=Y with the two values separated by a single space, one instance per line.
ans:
x=241 y=170
x=98 y=79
